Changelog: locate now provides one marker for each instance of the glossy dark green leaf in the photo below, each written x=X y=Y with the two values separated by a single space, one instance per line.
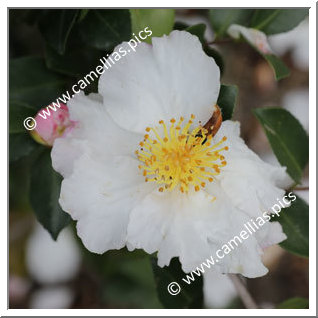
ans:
x=287 y=137
x=278 y=66
x=272 y=21
x=19 y=181
x=56 y=25
x=227 y=100
x=197 y=30
x=190 y=296
x=18 y=111
x=159 y=21
x=44 y=195
x=295 y=223
x=209 y=51
x=180 y=26
x=29 y=16
x=105 y=28
x=21 y=143
x=294 y=303
x=82 y=14
x=221 y=19
x=76 y=62
x=30 y=82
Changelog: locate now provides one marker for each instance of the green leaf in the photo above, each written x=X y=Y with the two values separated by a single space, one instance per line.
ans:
x=18 y=111
x=76 y=62
x=190 y=296
x=21 y=143
x=56 y=25
x=104 y=29
x=221 y=19
x=294 y=303
x=295 y=223
x=29 y=16
x=272 y=21
x=132 y=284
x=82 y=14
x=227 y=100
x=44 y=195
x=287 y=137
x=197 y=30
x=32 y=83
x=180 y=26
x=159 y=21
x=216 y=55
x=278 y=66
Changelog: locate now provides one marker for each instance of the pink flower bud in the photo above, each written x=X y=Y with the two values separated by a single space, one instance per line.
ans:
x=58 y=124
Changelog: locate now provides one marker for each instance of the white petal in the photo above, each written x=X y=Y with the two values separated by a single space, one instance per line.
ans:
x=253 y=36
x=100 y=194
x=251 y=184
x=193 y=228
x=170 y=78
x=270 y=233
x=94 y=128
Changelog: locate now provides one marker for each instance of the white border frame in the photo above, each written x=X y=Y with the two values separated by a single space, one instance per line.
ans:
x=312 y=159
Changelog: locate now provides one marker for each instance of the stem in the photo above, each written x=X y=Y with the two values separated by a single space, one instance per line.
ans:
x=244 y=294
x=219 y=41
x=301 y=189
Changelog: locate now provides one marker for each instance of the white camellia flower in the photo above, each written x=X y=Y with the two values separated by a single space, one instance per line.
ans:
x=141 y=171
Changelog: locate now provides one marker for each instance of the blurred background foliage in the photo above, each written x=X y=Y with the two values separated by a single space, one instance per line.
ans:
x=50 y=50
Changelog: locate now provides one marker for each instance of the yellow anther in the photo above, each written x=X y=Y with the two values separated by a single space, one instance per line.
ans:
x=177 y=157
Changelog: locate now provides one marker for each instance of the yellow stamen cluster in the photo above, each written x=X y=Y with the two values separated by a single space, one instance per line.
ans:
x=178 y=157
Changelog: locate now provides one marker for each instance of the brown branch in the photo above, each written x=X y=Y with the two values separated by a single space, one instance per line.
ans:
x=244 y=294
x=301 y=189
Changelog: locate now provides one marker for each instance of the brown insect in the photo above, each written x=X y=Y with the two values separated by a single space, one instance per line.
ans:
x=214 y=123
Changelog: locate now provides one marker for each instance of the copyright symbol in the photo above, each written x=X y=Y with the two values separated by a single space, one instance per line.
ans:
x=174 y=288
x=29 y=123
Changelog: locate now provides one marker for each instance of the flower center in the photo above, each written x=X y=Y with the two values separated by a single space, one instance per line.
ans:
x=182 y=157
